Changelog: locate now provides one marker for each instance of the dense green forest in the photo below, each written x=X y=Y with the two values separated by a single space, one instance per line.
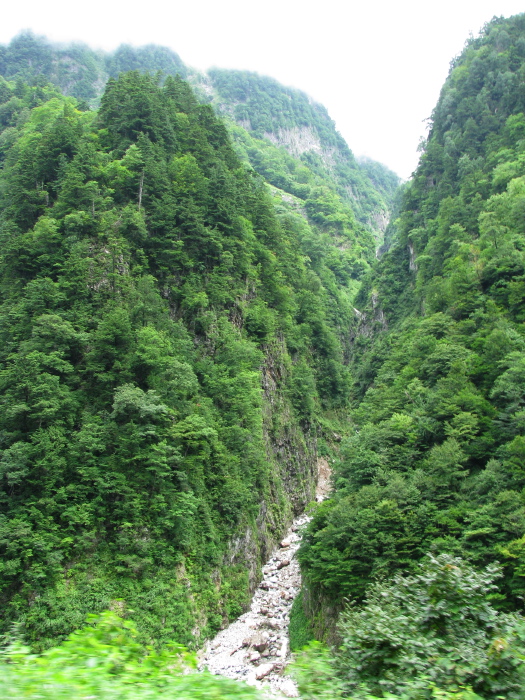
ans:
x=285 y=136
x=170 y=343
x=192 y=311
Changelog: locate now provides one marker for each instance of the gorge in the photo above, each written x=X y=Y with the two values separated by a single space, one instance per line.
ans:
x=203 y=297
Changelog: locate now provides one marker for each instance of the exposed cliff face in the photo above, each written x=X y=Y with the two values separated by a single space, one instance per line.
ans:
x=290 y=447
x=289 y=119
x=297 y=140
x=300 y=140
x=381 y=220
x=292 y=451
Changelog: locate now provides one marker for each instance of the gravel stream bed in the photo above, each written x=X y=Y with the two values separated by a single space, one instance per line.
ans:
x=255 y=647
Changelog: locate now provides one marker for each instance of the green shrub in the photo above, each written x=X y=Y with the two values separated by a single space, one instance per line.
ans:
x=299 y=630
x=104 y=661
x=435 y=629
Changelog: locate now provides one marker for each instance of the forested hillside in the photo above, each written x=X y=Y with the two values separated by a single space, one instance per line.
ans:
x=170 y=343
x=76 y=69
x=285 y=136
x=435 y=462
x=311 y=155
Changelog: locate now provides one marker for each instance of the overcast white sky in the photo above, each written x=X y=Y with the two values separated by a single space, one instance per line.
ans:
x=377 y=66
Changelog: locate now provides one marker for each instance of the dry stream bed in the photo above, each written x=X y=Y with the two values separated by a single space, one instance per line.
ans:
x=255 y=648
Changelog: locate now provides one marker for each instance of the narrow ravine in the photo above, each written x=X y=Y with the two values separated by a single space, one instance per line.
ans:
x=255 y=647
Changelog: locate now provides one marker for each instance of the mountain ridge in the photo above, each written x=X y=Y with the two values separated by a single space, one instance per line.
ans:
x=82 y=73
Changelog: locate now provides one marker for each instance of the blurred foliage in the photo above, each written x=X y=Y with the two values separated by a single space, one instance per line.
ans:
x=431 y=635
x=104 y=660
x=436 y=628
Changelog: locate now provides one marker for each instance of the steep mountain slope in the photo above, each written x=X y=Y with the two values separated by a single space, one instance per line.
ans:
x=298 y=148
x=176 y=337
x=291 y=120
x=437 y=459
x=171 y=344
x=145 y=206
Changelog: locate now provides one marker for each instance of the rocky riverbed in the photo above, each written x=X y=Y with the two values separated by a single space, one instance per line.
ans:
x=255 y=647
